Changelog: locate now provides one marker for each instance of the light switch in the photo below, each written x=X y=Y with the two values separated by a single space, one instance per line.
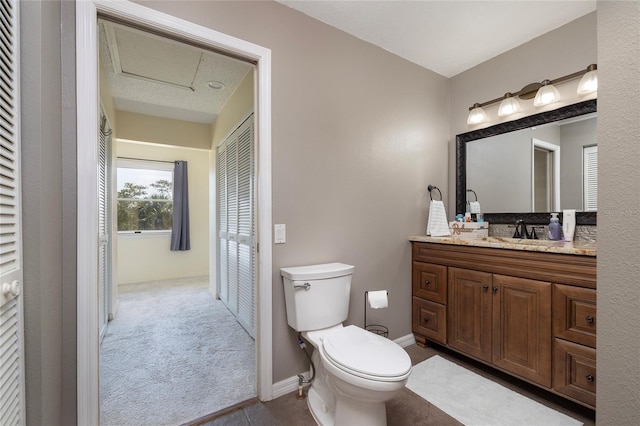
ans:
x=280 y=233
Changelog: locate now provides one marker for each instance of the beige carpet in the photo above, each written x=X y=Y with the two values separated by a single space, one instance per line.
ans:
x=173 y=354
x=476 y=401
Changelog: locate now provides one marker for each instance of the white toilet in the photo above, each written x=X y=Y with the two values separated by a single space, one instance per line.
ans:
x=356 y=371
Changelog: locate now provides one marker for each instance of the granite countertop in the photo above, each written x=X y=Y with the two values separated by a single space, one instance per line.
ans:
x=579 y=248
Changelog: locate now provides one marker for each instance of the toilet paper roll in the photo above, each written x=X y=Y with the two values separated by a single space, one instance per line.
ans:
x=378 y=299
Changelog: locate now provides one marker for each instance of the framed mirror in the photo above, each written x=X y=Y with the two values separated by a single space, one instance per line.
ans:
x=530 y=167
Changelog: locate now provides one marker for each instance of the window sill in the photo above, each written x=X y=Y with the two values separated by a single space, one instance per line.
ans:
x=143 y=234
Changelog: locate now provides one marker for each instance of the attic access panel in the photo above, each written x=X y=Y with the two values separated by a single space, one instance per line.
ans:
x=142 y=55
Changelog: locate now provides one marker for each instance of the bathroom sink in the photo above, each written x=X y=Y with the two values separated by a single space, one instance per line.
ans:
x=524 y=241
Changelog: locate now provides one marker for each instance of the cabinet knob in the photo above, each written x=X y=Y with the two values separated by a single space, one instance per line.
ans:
x=486 y=287
x=590 y=378
x=589 y=319
x=426 y=320
x=495 y=289
x=427 y=282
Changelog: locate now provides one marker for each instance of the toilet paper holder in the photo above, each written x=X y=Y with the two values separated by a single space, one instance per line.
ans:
x=374 y=328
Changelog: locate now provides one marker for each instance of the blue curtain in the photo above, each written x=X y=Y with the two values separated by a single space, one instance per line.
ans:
x=180 y=240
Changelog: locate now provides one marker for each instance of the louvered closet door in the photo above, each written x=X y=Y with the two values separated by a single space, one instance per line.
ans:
x=104 y=229
x=12 y=411
x=236 y=224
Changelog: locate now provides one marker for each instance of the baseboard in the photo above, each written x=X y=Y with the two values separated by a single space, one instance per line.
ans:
x=405 y=341
x=286 y=386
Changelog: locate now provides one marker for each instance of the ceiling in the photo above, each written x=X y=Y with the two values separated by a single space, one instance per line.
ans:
x=156 y=76
x=447 y=37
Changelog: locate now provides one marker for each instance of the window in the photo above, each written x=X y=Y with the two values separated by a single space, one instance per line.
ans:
x=145 y=192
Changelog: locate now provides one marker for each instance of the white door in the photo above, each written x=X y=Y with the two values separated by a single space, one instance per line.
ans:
x=12 y=407
x=236 y=224
x=104 y=225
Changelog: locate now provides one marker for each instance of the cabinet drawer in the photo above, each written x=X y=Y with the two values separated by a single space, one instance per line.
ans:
x=429 y=320
x=574 y=371
x=429 y=282
x=574 y=314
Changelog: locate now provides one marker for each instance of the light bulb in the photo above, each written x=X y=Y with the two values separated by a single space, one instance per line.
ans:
x=477 y=115
x=547 y=94
x=589 y=81
x=508 y=106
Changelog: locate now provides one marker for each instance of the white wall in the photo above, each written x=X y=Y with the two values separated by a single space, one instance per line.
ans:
x=148 y=258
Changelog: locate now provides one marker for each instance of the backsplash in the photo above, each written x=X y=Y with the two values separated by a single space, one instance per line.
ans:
x=585 y=233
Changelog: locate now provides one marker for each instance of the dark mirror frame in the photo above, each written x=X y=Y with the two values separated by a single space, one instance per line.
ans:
x=574 y=110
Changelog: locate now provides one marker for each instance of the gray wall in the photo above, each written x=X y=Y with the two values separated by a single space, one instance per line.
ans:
x=315 y=133
x=537 y=59
x=49 y=205
x=574 y=136
x=501 y=165
x=358 y=134
x=618 y=398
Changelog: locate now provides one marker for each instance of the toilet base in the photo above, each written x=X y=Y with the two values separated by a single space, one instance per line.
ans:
x=351 y=412
x=322 y=413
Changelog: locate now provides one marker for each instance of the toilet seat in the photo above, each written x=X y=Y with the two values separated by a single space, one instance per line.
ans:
x=365 y=354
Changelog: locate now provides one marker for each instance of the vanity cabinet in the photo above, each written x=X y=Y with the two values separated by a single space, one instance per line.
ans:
x=574 y=329
x=502 y=320
x=530 y=314
x=429 y=289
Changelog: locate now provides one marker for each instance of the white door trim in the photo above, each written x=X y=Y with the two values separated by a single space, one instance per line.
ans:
x=537 y=143
x=88 y=400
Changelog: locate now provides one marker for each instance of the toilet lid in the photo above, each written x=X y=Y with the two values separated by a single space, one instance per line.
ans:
x=365 y=352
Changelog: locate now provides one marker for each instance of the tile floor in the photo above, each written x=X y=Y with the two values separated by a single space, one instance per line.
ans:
x=405 y=409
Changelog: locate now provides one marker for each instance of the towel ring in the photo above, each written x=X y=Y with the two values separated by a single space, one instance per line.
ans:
x=474 y=193
x=431 y=188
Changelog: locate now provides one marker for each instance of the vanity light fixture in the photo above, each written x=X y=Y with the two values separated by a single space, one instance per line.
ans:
x=543 y=93
x=547 y=94
x=509 y=105
x=477 y=115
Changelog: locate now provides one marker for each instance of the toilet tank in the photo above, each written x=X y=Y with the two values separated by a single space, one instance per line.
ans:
x=317 y=296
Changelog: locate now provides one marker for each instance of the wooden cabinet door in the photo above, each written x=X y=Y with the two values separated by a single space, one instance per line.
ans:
x=522 y=327
x=469 y=312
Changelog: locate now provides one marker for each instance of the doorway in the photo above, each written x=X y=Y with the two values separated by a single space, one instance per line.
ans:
x=87 y=127
x=545 y=176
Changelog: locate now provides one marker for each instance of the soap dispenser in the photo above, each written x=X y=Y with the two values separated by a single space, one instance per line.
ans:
x=554 y=228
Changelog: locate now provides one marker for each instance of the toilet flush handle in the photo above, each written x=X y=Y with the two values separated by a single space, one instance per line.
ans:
x=306 y=286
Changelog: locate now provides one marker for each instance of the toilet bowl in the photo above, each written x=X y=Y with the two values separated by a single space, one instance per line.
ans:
x=356 y=371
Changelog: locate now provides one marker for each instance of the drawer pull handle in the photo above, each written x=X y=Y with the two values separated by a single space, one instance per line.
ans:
x=426 y=320
x=590 y=378
x=486 y=287
x=495 y=289
x=427 y=282
x=589 y=319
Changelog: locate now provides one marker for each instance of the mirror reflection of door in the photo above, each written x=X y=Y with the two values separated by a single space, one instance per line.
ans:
x=545 y=178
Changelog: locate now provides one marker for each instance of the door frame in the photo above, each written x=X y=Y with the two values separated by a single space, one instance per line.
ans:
x=87 y=98
x=555 y=183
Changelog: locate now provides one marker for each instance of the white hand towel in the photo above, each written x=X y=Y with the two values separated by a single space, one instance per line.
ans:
x=437 y=225
x=474 y=207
